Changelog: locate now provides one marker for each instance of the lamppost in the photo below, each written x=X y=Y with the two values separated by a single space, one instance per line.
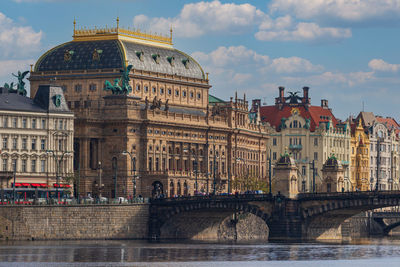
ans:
x=100 y=179
x=270 y=173
x=58 y=164
x=133 y=170
x=195 y=166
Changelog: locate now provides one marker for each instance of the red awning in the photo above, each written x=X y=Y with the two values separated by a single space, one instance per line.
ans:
x=17 y=184
x=61 y=185
x=35 y=185
x=44 y=185
x=23 y=184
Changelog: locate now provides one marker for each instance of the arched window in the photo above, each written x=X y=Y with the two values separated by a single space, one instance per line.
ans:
x=185 y=189
x=178 y=189
x=171 y=189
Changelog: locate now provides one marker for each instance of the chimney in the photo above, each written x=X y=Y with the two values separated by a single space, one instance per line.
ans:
x=324 y=103
x=282 y=94
x=306 y=99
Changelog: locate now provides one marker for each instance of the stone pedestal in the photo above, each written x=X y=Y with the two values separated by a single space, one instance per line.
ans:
x=285 y=179
x=332 y=175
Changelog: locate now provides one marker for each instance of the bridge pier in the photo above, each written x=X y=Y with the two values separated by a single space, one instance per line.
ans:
x=285 y=222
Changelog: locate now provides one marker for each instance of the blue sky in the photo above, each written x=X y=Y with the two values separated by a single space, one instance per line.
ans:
x=346 y=51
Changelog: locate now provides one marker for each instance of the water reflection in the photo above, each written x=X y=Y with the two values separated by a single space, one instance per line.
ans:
x=141 y=251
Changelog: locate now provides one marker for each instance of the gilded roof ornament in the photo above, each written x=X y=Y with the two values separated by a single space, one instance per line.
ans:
x=107 y=33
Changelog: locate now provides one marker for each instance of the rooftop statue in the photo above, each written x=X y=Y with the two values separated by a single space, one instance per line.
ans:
x=121 y=86
x=293 y=97
x=20 y=86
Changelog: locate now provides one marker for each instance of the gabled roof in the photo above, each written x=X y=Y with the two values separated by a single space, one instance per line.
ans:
x=213 y=99
x=390 y=123
x=316 y=114
x=367 y=117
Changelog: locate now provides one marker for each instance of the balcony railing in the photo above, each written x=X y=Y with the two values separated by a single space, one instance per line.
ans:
x=295 y=147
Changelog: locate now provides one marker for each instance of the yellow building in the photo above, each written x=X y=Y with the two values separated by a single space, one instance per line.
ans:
x=360 y=154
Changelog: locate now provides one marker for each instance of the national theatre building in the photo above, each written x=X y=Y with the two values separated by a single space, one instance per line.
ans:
x=145 y=123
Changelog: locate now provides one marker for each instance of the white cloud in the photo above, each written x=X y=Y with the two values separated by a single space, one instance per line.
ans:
x=344 y=11
x=284 y=30
x=13 y=66
x=381 y=65
x=233 y=55
x=294 y=64
x=241 y=78
x=17 y=41
x=197 y=19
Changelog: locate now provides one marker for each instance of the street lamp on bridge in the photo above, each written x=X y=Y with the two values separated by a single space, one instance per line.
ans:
x=133 y=170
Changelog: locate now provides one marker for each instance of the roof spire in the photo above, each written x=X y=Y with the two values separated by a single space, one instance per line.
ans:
x=117 y=23
x=170 y=32
x=74 y=25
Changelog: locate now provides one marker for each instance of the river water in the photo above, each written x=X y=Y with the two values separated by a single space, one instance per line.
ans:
x=371 y=252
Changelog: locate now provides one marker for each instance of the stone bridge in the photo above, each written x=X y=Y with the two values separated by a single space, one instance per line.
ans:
x=316 y=216
x=387 y=221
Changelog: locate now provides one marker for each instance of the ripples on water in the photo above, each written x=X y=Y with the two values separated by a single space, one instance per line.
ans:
x=140 y=253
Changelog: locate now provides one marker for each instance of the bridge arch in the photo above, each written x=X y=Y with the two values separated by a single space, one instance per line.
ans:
x=209 y=220
x=324 y=218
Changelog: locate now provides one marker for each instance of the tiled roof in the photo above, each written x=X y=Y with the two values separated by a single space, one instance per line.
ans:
x=273 y=115
x=110 y=54
x=390 y=123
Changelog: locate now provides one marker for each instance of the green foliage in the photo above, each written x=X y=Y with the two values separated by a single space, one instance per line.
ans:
x=249 y=181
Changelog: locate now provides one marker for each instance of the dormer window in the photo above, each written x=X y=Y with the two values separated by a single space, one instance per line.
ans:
x=156 y=58
x=171 y=60
x=140 y=55
x=185 y=62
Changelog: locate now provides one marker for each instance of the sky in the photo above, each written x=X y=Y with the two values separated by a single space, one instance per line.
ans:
x=346 y=51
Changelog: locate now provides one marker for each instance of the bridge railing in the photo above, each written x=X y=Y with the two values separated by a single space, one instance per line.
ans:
x=349 y=195
x=244 y=197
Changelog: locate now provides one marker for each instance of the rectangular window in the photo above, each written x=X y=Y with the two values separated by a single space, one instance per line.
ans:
x=59 y=145
x=33 y=123
x=24 y=123
x=14 y=122
x=5 y=164
x=60 y=125
x=274 y=141
x=23 y=165
x=43 y=144
x=274 y=156
x=14 y=143
x=78 y=88
x=315 y=155
x=33 y=165
x=33 y=144
x=14 y=165
x=150 y=163
x=92 y=87
x=43 y=124
x=303 y=170
x=42 y=166
x=24 y=143
x=5 y=143
x=5 y=122
x=315 y=141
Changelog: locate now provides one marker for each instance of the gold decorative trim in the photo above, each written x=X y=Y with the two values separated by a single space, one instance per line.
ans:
x=117 y=32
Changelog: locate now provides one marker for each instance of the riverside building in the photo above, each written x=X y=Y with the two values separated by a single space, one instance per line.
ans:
x=166 y=135
x=36 y=139
x=310 y=133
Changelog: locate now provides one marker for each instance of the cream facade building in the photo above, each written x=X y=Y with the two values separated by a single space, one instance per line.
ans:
x=34 y=134
x=310 y=133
